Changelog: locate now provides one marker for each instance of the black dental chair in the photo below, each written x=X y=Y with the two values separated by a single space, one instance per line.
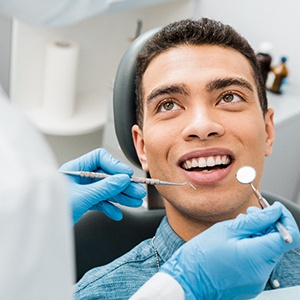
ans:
x=98 y=239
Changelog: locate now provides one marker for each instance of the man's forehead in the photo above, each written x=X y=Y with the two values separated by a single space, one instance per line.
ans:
x=225 y=64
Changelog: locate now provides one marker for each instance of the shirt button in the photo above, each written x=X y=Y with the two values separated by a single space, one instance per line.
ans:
x=276 y=283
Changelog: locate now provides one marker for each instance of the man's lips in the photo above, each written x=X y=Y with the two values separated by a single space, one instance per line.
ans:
x=206 y=167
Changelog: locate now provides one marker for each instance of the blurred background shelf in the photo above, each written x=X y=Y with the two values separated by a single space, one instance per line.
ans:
x=90 y=115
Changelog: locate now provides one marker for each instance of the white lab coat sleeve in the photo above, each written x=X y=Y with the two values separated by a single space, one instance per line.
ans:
x=36 y=241
x=161 y=286
x=65 y=12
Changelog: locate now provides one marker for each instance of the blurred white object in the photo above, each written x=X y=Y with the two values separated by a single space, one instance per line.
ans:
x=60 y=78
x=290 y=293
x=36 y=253
x=67 y=12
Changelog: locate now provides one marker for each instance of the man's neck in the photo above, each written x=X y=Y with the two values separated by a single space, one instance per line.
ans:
x=187 y=227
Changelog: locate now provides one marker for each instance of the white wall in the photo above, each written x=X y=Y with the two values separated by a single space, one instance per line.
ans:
x=5 y=40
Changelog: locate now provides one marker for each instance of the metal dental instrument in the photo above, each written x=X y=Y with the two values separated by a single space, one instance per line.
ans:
x=246 y=175
x=150 y=181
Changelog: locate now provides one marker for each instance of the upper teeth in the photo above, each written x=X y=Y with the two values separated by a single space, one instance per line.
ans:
x=203 y=162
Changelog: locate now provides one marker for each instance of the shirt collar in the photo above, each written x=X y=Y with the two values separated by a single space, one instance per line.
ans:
x=166 y=240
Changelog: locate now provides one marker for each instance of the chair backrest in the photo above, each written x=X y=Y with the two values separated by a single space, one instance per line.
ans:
x=124 y=107
x=124 y=98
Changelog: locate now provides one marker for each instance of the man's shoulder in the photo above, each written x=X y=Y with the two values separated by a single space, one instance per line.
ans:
x=291 y=261
x=287 y=271
x=124 y=275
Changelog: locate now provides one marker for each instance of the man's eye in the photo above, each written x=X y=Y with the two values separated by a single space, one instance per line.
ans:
x=230 y=97
x=168 y=106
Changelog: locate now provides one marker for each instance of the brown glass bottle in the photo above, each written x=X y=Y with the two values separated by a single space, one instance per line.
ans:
x=264 y=59
x=277 y=77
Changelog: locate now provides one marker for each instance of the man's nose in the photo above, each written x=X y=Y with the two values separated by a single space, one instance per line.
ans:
x=202 y=123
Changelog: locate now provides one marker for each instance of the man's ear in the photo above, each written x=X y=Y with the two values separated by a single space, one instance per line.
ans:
x=137 y=135
x=270 y=131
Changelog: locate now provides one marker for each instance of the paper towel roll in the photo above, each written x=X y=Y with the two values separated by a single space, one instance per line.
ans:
x=60 y=77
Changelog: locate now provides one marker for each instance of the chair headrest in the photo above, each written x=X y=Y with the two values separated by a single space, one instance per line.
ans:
x=124 y=96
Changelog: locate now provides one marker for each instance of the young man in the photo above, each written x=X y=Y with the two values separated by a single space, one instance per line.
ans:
x=202 y=114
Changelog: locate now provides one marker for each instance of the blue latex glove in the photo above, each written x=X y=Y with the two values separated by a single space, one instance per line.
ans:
x=233 y=259
x=94 y=194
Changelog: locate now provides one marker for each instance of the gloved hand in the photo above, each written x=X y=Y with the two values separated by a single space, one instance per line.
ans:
x=233 y=259
x=94 y=194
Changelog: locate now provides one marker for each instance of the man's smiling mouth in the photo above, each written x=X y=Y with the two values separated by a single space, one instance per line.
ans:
x=206 y=164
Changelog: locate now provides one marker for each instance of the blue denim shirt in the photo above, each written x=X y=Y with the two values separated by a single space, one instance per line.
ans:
x=124 y=276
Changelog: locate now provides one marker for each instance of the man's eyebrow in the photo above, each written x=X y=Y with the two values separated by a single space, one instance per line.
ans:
x=167 y=90
x=222 y=83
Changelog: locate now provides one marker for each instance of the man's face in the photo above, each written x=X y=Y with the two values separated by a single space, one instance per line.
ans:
x=202 y=122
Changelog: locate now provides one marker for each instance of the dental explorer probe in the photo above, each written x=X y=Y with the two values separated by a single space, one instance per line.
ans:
x=143 y=180
x=246 y=175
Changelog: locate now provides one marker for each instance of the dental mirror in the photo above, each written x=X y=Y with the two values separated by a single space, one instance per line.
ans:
x=246 y=175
